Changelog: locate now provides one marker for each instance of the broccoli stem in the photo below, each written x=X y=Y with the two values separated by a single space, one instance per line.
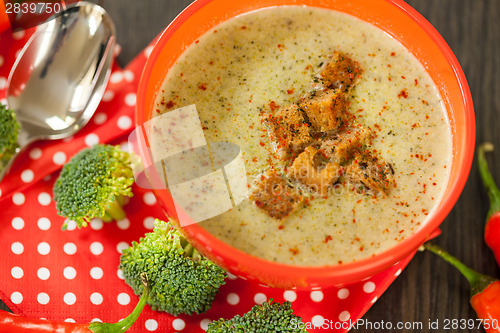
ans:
x=124 y=324
x=115 y=212
x=190 y=251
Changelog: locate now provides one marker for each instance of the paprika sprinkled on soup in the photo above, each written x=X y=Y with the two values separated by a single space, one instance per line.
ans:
x=257 y=73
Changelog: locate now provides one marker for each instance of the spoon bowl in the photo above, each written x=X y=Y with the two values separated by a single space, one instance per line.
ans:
x=61 y=73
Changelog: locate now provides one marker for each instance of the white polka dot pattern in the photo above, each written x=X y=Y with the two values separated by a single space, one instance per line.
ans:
x=151 y=325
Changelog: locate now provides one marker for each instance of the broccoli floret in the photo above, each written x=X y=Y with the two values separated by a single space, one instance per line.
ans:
x=181 y=279
x=270 y=317
x=9 y=129
x=95 y=183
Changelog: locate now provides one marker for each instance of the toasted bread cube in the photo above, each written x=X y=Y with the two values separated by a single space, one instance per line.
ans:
x=345 y=145
x=275 y=195
x=341 y=72
x=325 y=110
x=371 y=172
x=305 y=170
x=288 y=130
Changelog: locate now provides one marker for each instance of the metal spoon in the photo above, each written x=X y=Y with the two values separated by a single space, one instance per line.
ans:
x=61 y=73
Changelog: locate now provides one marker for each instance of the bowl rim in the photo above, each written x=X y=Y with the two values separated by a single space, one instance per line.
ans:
x=352 y=271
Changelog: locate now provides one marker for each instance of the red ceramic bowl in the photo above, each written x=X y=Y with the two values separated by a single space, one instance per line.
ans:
x=400 y=21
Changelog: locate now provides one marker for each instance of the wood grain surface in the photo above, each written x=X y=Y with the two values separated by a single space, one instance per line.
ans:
x=429 y=289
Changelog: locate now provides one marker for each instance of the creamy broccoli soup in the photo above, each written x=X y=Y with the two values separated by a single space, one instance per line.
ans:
x=268 y=62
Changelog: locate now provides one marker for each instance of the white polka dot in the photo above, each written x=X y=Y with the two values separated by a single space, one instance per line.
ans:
x=1 y=60
x=69 y=298
x=44 y=199
x=96 y=224
x=3 y=83
x=17 y=248
x=317 y=296
x=96 y=273
x=69 y=273
x=130 y=99
x=259 y=298
x=369 y=287
x=343 y=293
x=121 y=246
x=91 y=140
x=68 y=139
x=233 y=298
x=124 y=122
x=129 y=75
x=59 y=158
x=43 y=298
x=96 y=298
x=178 y=324
x=70 y=224
x=123 y=298
x=18 y=35
x=374 y=300
x=43 y=248
x=43 y=223
x=290 y=295
x=149 y=223
x=126 y=147
x=108 y=96
x=18 y=199
x=69 y=320
x=16 y=297
x=43 y=273
x=344 y=316
x=96 y=248
x=18 y=52
x=317 y=321
x=96 y=320
x=148 y=50
x=204 y=323
x=149 y=198
x=27 y=176
x=17 y=272
x=17 y=223
x=231 y=276
x=116 y=77
x=398 y=272
x=35 y=153
x=69 y=248
x=123 y=224
x=119 y=273
x=151 y=325
x=100 y=118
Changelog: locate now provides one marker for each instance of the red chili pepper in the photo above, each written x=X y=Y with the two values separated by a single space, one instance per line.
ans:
x=492 y=229
x=485 y=291
x=13 y=323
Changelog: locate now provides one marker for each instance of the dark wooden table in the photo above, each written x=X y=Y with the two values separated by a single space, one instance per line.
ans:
x=428 y=290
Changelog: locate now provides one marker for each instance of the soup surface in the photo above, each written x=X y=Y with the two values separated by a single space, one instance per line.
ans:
x=243 y=67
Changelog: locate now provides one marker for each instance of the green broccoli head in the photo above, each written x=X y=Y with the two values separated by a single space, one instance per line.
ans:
x=181 y=279
x=95 y=183
x=270 y=317
x=9 y=129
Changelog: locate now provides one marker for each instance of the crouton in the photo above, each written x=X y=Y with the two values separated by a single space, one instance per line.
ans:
x=275 y=195
x=342 y=148
x=341 y=72
x=288 y=130
x=325 y=110
x=306 y=170
x=371 y=172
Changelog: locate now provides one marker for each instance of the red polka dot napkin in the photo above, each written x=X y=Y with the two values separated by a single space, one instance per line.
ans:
x=73 y=275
